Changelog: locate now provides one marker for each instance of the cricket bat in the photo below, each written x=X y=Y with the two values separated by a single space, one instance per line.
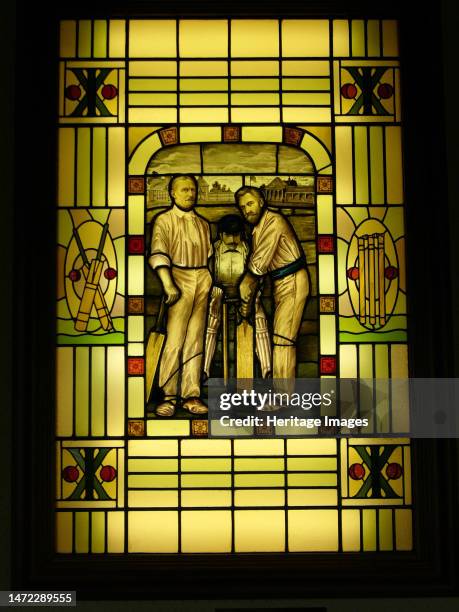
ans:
x=91 y=285
x=153 y=352
x=244 y=344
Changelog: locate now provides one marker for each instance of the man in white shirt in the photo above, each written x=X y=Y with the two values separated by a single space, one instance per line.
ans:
x=277 y=252
x=180 y=252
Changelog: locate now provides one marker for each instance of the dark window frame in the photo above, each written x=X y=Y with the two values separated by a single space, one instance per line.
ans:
x=432 y=568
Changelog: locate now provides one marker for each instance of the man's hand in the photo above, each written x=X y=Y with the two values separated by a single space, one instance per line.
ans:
x=247 y=288
x=170 y=288
x=244 y=310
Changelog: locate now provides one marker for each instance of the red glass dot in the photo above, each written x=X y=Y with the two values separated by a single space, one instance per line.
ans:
x=391 y=272
x=394 y=471
x=74 y=275
x=108 y=473
x=70 y=473
x=385 y=91
x=356 y=471
x=109 y=92
x=110 y=273
x=348 y=91
x=353 y=273
x=73 y=92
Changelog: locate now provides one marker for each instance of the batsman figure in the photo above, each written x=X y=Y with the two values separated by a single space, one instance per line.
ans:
x=180 y=252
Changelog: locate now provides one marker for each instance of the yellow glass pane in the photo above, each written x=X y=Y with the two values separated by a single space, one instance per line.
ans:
x=168 y=428
x=66 y=167
x=369 y=530
x=136 y=214
x=203 y=38
x=262 y=134
x=259 y=480
x=153 y=531
x=205 y=465
x=348 y=360
x=152 y=499
x=311 y=447
x=203 y=448
x=305 y=38
x=153 y=115
x=204 y=115
x=115 y=532
x=64 y=382
x=152 y=85
x=255 y=84
x=135 y=328
x=350 y=523
x=97 y=532
x=258 y=447
x=116 y=166
x=316 y=150
x=203 y=99
x=254 y=38
x=153 y=465
x=312 y=497
x=385 y=530
x=136 y=349
x=203 y=84
x=157 y=68
x=251 y=99
x=97 y=391
x=255 y=115
x=256 y=67
x=100 y=38
x=361 y=165
x=91 y=444
x=298 y=114
x=376 y=165
x=67 y=38
x=324 y=214
x=305 y=84
x=373 y=38
x=394 y=165
x=203 y=481
x=312 y=530
x=326 y=274
x=81 y=532
x=205 y=498
x=312 y=480
x=200 y=134
x=151 y=38
x=259 y=497
x=344 y=169
x=204 y=68
x=135 y=274
x=153 y=481
x=99 y=136
x=206 y=531
x=153 y=99
x=83 y=166
x=152 y=448
x=341 y=38
x=84 y=38
x=328 y=334
x=64 y=532
x=365 y=361
x=307 y=99
x=403 y=529
x=117 y=38
x=407 y=472
x=259 y=465
x=390 y=38
x=305 y=68
x=115 y=391
x=311 y=464
x=381 y=361
x=358 y=38
x=259 y=530
x=136 y=397
x=82 y=391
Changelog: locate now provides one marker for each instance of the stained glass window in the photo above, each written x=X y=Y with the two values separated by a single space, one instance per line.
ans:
x=308 y=111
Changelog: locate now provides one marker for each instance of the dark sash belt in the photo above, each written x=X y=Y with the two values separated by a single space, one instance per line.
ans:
x=290 y=268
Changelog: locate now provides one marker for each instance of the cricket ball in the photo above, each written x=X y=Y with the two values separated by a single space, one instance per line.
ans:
x=356 y=471
x=73 y=92
x=348 y=91
x=394 y=471
x=391 y=272
x=385 y=91
x=353 y=273
x=74 y=275
x=109 y=92
x=70 y=473
x=110 y=273
x=108 y=473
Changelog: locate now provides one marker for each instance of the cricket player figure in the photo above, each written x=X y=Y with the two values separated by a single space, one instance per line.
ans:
x=230 y=257
x=180 y=252
x=277 y=252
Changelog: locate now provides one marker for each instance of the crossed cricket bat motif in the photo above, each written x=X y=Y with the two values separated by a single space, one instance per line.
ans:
x=92 y=294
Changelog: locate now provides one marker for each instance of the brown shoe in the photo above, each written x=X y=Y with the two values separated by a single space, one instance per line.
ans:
x=165 y=409
x=195 y=406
